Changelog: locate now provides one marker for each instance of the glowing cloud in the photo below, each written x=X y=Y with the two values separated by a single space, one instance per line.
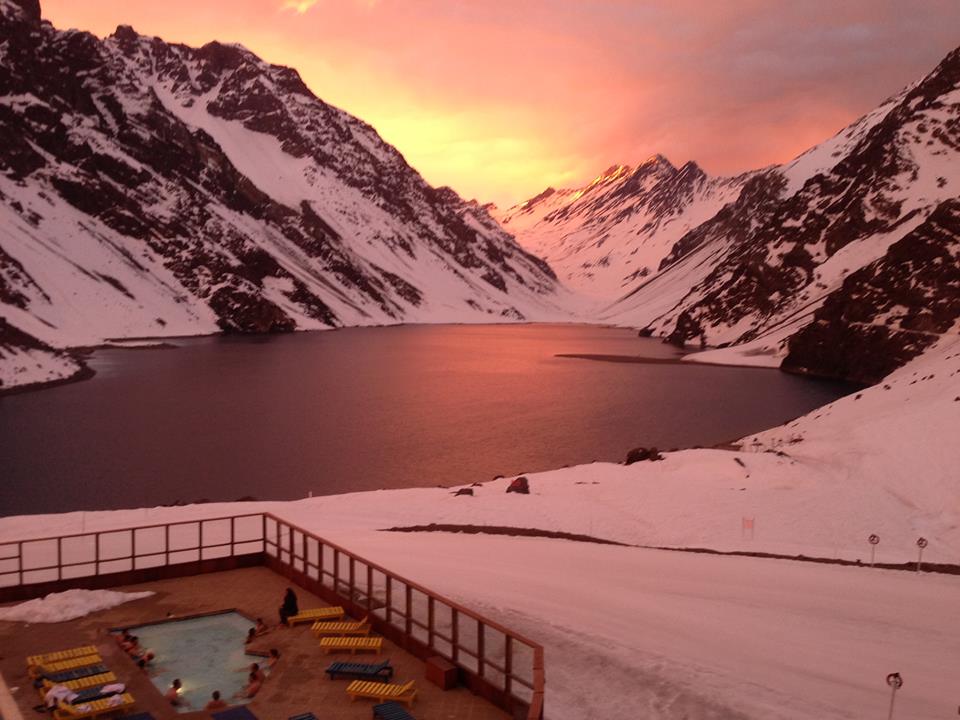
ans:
x=299 y=6
x=499 y=99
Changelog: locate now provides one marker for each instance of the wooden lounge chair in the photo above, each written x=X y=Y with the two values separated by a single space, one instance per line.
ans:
x=381 y=672
x=342 y=628
x=61 y=665
x=352 y=644
x=81 y=683
x=95 y=708
x=314 y=614
x=52 y=657
x=391 y=711
x=382 y=691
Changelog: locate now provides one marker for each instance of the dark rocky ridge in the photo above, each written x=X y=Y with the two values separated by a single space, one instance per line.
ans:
x=890 y=311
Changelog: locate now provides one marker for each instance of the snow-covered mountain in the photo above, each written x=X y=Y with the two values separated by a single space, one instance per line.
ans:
x=603 y=237
x=152 y=189
x=858 y=236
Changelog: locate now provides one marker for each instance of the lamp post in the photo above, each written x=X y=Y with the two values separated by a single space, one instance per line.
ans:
x=895 y=682
x=874 y=540
x=921 y=543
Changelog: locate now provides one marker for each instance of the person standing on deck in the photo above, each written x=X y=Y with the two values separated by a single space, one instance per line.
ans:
x=289 y=607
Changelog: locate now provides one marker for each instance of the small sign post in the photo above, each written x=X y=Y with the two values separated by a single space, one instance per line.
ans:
x=921 y=543
x=874 y=540
x=895 y=682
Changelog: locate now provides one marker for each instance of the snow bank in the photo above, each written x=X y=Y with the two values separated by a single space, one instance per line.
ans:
x=29 y=366
x=67 y=605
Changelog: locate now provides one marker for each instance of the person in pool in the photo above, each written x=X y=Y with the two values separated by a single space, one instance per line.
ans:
x=254 y=683
x=173 y=694
x=215 y=702
x=251 y=636
x=132 y=647
x=289 y=607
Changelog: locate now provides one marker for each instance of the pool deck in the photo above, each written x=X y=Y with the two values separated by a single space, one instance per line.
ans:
x=297 y=685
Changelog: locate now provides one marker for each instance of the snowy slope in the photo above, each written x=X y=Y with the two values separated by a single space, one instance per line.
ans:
x=150 y=189
x=604 y=236
x=683 y=635
x=762 y=268
x=24 y=360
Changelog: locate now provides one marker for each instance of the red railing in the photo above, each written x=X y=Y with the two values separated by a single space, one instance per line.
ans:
x=494 y=661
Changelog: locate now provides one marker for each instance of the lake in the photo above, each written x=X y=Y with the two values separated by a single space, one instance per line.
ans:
x=278 y=417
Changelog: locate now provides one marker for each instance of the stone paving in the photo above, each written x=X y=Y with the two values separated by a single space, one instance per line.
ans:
x=297 y=685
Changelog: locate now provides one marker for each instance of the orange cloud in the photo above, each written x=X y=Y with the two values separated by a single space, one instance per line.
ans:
x=299 y=6
x=499 y=99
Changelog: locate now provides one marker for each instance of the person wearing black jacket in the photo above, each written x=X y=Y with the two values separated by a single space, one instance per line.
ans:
x=289 y=607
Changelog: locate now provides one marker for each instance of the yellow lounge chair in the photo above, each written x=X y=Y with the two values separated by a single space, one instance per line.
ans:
x=314 y=614
x=342 y=628
x=94 y=708
x=50 y=657
x=352 y=644
x=382 y=691
x=81 y=683
x=55 y=667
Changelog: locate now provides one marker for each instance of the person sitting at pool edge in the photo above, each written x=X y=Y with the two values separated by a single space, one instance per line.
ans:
x=255 y=670
x=274 y=658
x=251 y=636
x=252 y=688
x=173 y=694
x=289 y=607
x=215 y=703
x=261 y=628
x=131 y=645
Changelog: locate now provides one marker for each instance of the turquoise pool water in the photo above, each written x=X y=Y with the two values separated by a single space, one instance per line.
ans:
x=206 y=653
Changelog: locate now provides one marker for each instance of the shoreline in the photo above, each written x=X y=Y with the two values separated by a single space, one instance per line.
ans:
x=636 y=359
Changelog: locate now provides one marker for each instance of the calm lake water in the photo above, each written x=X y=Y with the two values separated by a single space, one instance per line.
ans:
x=277 y=417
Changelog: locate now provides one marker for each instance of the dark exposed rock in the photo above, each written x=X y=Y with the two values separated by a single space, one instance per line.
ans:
x=519 y=485
x=464 y=491
x=889 y=311
x=640 y=454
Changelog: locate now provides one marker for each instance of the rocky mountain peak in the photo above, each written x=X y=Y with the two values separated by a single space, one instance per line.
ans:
x=23 y=10
x=175 y=190
x=843 y=253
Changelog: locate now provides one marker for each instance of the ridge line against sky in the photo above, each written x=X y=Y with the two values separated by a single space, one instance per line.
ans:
x=501 y=99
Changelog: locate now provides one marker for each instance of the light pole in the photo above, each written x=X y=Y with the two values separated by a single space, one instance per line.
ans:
x=895 y=682
x=874 y=541
x=921 y=543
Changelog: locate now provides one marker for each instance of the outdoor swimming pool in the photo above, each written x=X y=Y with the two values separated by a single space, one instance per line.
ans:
x=206 y=653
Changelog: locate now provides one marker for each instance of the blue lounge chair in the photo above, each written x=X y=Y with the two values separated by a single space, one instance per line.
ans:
x=391 y=711
x=92 y=693
x=381 y=672
x=76 y=673
x=235 y=713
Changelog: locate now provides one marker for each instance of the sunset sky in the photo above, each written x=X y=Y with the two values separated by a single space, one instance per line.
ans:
x=501 y=98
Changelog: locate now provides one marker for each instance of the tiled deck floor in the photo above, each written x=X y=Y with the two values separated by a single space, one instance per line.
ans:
x=298 y=685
